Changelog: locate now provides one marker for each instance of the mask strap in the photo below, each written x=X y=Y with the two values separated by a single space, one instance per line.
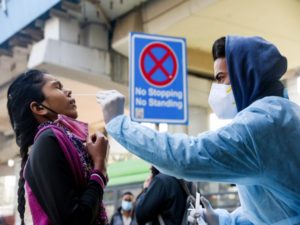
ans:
x=48 y=109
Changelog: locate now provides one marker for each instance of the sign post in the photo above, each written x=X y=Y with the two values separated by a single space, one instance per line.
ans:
x=158 y=79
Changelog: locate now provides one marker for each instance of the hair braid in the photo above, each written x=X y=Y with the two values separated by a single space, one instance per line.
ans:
x=21 y=189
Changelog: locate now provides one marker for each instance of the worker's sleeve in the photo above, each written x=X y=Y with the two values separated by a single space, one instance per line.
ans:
x=226 y=155
x=237 y=217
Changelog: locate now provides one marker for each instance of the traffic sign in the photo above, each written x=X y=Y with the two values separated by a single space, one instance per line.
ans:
x=158 y=79
x=159 y=67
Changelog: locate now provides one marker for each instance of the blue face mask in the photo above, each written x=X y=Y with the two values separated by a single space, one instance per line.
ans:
x=126 y=205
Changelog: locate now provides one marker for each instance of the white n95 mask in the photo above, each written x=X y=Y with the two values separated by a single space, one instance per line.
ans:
x=222 y=101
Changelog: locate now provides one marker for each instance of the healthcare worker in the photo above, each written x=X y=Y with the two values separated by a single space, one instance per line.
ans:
x=259 y=150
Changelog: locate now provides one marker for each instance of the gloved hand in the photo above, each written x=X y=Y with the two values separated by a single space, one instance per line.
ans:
x=112 y=103
x=210 y=217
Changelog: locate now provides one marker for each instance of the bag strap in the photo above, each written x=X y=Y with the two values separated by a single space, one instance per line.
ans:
x=187 y=190
x=183 y=184
x=160 y=220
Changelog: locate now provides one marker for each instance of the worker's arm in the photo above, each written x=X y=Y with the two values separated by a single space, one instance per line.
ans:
x=226 y=155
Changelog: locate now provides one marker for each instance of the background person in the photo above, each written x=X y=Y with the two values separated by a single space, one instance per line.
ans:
x=125 y=213
x=162 y=196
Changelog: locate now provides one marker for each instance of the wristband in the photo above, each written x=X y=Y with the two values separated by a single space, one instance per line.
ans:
x=98 y=179
x=100 y=175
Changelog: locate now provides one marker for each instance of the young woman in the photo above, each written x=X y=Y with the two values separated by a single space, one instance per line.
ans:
x=65 y=170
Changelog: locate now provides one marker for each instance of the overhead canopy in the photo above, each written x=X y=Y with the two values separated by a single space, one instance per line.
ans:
x=128 y=172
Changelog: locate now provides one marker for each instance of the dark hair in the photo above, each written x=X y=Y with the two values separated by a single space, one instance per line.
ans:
x=127 y=193
x=25 y=89
x=218 y=49
x=154 y=171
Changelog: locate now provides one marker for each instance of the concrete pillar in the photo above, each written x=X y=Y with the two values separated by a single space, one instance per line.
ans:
x=95 y=35
x=6 y=66
x=199 y=120
x=177 y=129
x=119 y=68
x=63 y=29
x=20 y=57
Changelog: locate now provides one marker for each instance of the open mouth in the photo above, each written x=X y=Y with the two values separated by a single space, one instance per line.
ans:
x=73 y=102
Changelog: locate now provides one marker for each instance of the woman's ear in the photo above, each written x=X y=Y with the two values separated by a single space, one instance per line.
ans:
x=38 y=109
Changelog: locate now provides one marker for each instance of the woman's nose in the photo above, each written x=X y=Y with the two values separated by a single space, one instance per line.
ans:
x=68 y=92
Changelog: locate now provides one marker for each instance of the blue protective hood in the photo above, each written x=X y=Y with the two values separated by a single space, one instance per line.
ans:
x=255 y=67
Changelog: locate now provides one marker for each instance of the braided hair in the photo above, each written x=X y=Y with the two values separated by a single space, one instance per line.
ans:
x=25 y=89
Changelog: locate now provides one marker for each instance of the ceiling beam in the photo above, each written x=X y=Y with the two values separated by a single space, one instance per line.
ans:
x=200 y=62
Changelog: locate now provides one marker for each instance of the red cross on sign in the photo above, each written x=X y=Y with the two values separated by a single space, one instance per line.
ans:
x=159 y=64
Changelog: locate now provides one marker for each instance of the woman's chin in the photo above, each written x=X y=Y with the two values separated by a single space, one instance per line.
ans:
x=73 y=114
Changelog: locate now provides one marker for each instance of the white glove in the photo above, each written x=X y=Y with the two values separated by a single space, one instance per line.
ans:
x=196 y=217
x=210 y=217
x=196 y=214
x=112 y=103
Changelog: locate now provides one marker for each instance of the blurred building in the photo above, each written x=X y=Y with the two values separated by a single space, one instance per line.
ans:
x=85 y=44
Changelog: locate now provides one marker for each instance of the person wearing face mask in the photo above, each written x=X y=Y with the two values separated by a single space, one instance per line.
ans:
x=124 y=215
x=258 y=151
x=62 y=168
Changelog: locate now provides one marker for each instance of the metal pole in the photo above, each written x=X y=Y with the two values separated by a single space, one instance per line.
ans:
x=157 y=126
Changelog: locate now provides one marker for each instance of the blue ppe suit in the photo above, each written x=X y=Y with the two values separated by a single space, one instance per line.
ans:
x=259 y=150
